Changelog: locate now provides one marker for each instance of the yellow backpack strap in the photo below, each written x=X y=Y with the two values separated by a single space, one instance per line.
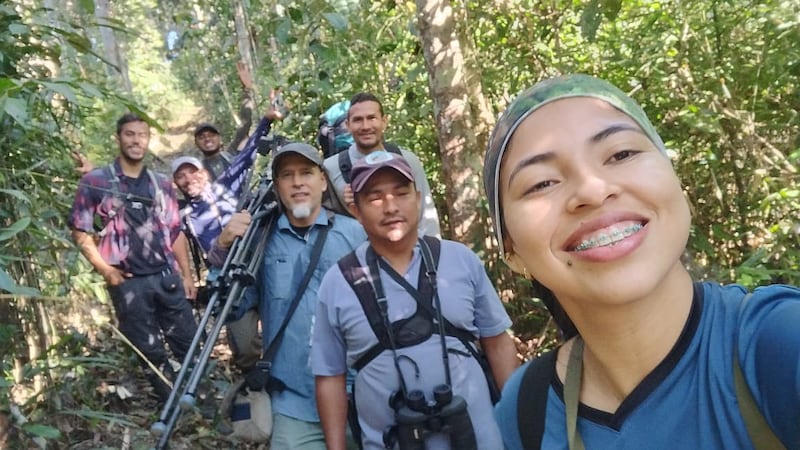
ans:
x=758 y=429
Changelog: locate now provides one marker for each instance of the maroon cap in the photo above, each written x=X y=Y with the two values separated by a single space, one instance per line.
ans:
x=366 y=167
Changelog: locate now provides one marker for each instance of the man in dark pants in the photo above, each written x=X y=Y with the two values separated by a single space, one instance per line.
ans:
x=125 y=221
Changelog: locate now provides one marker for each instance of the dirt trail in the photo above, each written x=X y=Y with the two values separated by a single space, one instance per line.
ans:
x=176 y=139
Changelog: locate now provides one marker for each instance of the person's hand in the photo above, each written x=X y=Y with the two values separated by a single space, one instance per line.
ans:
x=349 y=198
x=82 y=163
x=236 y=227
x=276 y=106
x=114 y=276
x=189 y=288
x=273 y=114
x=244 y=75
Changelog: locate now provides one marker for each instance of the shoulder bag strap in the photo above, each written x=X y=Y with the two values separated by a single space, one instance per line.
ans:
x=316 y=252
x=532 y=400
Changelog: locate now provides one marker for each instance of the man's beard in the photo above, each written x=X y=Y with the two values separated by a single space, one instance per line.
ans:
x=301 y=211
x=131 y=159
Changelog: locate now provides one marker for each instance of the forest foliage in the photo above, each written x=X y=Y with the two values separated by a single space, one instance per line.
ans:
x=719 y=79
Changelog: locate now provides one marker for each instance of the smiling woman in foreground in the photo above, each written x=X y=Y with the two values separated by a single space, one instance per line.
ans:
x=587 y=205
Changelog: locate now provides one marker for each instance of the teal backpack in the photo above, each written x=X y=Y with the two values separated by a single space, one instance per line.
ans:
x=333 y=136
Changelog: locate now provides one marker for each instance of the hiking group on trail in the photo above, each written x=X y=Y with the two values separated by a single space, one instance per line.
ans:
x=377 y=333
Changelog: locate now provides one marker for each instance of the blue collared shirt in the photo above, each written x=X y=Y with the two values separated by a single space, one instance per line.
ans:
x=285 y=262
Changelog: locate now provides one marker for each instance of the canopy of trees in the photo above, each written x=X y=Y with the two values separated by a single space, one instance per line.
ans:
x=719 y=79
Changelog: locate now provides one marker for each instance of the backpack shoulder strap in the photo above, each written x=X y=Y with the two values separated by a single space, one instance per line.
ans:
x=532 y=400
x=424 y=285
x=117 y=201
x=114 y=179
x=160 y=202
x=345 y=165
x=392 y=148
x=761 y=434
x=358 y=279
x=758 y=429
x=435 y=244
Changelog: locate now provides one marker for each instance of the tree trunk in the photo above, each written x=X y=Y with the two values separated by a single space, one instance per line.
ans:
x=111 y=49
x=243 y=36
x=452 y=83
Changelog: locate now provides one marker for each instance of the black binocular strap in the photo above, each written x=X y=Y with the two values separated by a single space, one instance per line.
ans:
x=357 y=277
x=424 y=295
x=532 y=400
x=467 y=339
x=316 y=252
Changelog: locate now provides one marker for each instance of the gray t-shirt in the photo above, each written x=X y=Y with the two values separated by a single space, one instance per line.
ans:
x=429 y=217
x=342 y=335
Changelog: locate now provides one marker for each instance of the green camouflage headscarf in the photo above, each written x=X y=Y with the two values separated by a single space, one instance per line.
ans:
x=544 y=92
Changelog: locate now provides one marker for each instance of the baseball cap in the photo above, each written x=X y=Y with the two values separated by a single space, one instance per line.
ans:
x=299 y=148
x=185 y=160
x=367 y=166
x=205 y=127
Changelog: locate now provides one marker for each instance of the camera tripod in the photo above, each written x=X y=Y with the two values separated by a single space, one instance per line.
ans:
x=238 y=272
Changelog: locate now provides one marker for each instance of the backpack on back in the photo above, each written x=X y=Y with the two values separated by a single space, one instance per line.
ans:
x=333 y=136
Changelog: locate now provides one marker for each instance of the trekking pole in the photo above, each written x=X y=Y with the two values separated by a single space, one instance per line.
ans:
x=238 y=272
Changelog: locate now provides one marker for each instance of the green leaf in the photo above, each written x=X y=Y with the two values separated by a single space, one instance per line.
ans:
x=611 y=8
x=296 y=14
x=282 y=32
x=336 y=20
x=11 y=286
x=90 y=89
x=16 y=108
x=18 y=28
x=87 y=5
x=590 y=20
x=63 y=89
x=19 y=195
x=322 y=51
x=41 y=430
x=13 y=230
x=6 y=85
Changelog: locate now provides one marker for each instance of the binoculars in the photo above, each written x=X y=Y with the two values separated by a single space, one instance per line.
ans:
x=416 y=419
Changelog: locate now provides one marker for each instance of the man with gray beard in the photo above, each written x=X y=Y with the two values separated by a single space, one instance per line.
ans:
x=300 y=183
